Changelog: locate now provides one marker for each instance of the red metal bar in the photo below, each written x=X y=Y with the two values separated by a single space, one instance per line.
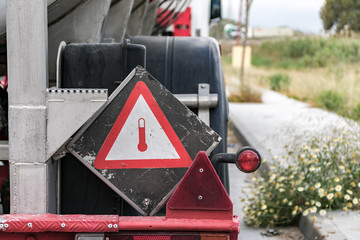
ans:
x=111 y=223
x=178 y=224
x=58 y=223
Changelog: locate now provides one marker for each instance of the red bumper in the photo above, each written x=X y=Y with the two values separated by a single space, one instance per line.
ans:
x=51 y=226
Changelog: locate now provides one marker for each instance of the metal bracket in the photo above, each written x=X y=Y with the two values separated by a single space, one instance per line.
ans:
x=4 y=150
x=68 y=110
x=204 y=100
x=204 y=103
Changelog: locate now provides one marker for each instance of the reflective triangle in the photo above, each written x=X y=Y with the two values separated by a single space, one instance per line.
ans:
x=200 y=188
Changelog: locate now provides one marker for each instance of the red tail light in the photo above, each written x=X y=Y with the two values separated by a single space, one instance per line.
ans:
x=248 y=160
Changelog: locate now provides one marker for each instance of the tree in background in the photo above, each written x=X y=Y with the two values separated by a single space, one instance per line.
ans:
x=244 y=43
x=239 y=23
x=341 y=15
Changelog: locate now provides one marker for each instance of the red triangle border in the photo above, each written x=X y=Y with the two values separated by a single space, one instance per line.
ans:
x=141 y=89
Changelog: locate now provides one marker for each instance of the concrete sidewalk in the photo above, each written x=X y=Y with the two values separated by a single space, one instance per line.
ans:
x=280 y=121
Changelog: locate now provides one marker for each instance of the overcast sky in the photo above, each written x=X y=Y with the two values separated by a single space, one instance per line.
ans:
x=298 y=14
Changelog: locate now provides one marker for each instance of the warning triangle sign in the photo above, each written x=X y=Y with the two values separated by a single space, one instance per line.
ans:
x=142 y=142
x=142 y=137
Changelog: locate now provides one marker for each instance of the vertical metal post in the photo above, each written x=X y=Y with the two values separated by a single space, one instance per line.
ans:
x=31 y=179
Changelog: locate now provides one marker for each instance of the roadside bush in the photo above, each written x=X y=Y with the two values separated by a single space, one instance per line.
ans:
x=260 y=61
x=300 y=47
x=306 y=52
x=279 y=82
x=356 y=113
x=332 y=101
x=286 y=64
x=320 y=176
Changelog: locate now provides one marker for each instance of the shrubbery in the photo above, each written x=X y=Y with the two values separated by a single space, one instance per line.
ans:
x=356 y=112
x=279 y=82
x=306 y=52
x=317 y=177
x=332 y=101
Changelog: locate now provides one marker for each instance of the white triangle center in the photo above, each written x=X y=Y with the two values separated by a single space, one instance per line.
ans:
x=142 y=137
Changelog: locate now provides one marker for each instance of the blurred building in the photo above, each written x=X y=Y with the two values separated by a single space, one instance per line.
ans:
x=265 y=32
x=232 y=31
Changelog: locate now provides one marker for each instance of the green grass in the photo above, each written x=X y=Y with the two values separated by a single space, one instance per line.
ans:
x=306 y=52
x=279 y=82
x=323 y=72
x=332 y=100
x=355 y=113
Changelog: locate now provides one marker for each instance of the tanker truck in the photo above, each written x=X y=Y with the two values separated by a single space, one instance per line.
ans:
x=113 y=130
